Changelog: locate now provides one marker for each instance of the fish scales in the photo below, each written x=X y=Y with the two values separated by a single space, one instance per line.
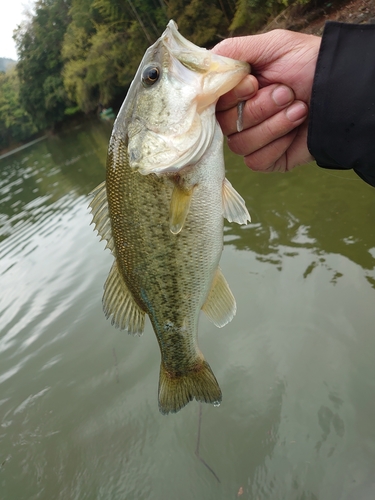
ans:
x=166 y=233
x=168 y=275
x=171 y=273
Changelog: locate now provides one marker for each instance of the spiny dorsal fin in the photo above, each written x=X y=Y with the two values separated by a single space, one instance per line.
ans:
x=119 y=303
x=100 y=215
x=175 y=391
x=179 y=208
x=234 y=208
x=220 y=305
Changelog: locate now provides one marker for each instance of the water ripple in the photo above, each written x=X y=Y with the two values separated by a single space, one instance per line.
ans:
x=43 y=267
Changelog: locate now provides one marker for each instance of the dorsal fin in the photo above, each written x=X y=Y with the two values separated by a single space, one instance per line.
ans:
x=118 y=302
x=100 y=215
x=234 y=208
x=220 y=305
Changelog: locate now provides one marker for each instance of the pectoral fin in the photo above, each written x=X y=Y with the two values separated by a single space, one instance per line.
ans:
x=119 y=303
x=220 y=305
x=179 y=208
x=234 y=208
x=100 y=213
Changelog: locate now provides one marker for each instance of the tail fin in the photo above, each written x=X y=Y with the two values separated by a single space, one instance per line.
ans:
x=175 y=391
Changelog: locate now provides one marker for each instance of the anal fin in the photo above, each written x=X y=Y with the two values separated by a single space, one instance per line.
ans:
x=119 y=303
x=234 y=208
x=220 y=305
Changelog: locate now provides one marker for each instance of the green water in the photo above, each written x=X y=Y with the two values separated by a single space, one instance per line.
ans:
x=78 y=399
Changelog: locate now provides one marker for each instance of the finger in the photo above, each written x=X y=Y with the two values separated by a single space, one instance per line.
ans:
x=283 y=154
x=273 y=157
x=241 y=92
x=266 y=103
x=278 y=125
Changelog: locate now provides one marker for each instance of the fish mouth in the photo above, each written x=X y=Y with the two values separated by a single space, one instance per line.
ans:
x=190 y=55
x=220 y=74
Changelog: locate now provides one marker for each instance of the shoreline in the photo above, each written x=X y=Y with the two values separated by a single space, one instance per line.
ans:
x=23 y=146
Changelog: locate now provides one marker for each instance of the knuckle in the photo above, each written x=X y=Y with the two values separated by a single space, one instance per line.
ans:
x=254 y=111
x=255 y=162
x=238 y=144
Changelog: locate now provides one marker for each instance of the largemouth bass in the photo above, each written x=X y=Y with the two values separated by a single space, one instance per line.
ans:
x=162 y=206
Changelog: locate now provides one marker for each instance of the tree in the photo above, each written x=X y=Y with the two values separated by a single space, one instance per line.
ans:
x=202 y=22
x=103 y=46
x=15 y=123
x=40 y=64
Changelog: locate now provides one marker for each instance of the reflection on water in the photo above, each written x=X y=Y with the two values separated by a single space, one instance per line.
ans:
x=326 y=211
x=78 y=398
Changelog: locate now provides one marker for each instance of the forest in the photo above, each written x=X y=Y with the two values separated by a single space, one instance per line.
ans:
x=78 y=56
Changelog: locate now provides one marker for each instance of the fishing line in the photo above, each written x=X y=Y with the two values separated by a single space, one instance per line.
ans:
x=198 y=444
x=116 y=365
x=333 y=172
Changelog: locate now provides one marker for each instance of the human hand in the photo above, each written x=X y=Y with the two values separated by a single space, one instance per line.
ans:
x=274 y=136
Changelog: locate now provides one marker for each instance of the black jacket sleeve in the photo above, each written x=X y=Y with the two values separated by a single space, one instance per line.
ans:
x=342 y=109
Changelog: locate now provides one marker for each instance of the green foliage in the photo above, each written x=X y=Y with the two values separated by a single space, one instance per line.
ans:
x=39 y=42
x=15 y=123
x=103 y=46
x=72 y=111
x=81 y=55
x=252 y=14
x=200 y=21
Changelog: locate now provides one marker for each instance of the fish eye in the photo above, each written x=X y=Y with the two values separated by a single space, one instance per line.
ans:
x=150 y=75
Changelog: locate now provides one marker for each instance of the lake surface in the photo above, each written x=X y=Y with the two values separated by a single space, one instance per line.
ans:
x=79 y=416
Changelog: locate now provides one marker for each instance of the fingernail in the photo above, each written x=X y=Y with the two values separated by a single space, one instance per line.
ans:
x=282 y=95
x=296 y=111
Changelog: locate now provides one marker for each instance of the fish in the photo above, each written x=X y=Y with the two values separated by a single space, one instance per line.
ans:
x=161 y=210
